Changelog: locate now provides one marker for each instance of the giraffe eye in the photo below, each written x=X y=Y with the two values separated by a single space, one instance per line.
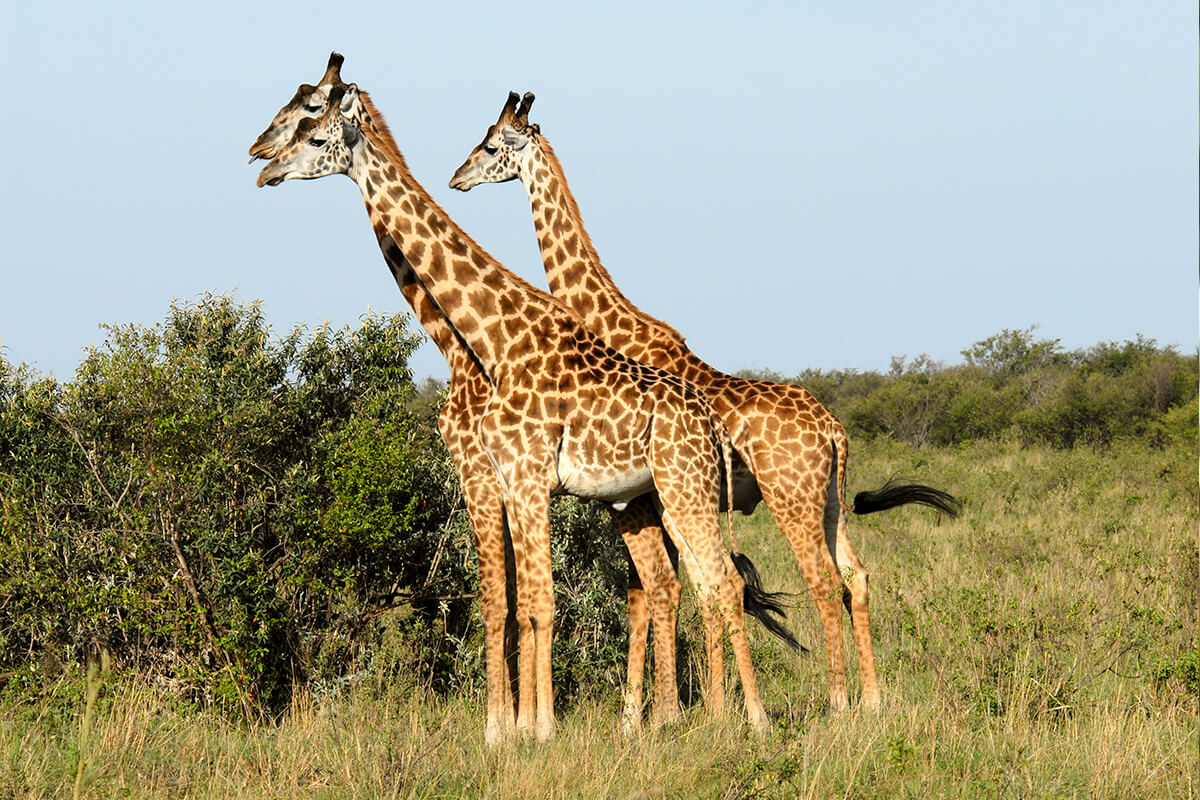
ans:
x=491 y=150
x=317 y=141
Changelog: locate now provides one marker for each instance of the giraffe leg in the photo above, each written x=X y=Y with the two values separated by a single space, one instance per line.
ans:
x=485 y=507
x=637 y=612
x=854 y=576
x=654 y=588
x=735 y=619
x=719 y=595
x=529 y=513
x=714 y=653
x=526 y=700
x=665 y=612
x=799 y=512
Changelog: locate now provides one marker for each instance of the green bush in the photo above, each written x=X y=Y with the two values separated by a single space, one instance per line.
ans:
x=1013 y=383
x=214 y=505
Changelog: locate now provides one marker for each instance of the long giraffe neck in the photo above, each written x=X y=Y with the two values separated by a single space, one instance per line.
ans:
x=453 y=349
x=492 y=311
x=579 y=280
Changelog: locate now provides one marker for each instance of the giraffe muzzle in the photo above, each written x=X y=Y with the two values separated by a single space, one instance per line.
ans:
x=270 y=177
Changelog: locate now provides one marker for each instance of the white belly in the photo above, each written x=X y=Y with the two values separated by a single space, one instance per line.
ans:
x=603 y=482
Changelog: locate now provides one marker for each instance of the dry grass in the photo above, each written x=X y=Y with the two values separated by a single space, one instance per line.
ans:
x=1041 y=646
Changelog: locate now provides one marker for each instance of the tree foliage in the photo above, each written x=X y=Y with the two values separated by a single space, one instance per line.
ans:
x=1014 y=384
x=219 y=507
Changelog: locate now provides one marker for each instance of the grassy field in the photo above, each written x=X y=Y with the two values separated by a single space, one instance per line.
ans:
x=1041 y=646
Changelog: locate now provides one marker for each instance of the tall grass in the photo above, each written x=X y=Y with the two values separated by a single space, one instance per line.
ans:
x=1042 y=645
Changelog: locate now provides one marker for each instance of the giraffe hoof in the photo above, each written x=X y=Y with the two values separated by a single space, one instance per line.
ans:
x=631 y=724
x=544 y=732
x=495 y=734
x=659 y=719
x=760 y=723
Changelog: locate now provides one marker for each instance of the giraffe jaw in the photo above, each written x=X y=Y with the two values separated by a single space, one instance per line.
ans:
x=464 y=178
x=271 y=175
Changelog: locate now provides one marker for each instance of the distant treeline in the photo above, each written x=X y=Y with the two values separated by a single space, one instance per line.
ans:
x=1015 y=384
x=234 y=512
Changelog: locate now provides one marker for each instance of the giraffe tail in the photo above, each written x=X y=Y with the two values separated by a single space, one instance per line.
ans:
x=766 y=607
x=892 y=494
x=726 y=443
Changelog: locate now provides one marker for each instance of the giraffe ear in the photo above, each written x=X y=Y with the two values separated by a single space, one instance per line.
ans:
x=349 y=97
x=513 y=138
x=350 y=133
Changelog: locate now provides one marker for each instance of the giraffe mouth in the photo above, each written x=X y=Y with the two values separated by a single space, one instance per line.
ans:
x=271 y=177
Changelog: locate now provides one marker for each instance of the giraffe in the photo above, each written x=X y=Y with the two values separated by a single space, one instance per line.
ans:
x=796 y=448
x=566 y=414
x=458 y=422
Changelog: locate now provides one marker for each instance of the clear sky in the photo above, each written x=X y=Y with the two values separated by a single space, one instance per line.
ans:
x=791 y=185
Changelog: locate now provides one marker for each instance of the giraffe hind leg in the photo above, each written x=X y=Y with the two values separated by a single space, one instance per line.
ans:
x=798 y=513
x=854 y=576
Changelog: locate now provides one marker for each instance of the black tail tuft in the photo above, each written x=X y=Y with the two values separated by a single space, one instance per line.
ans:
x=893 y=494
x=766 y=607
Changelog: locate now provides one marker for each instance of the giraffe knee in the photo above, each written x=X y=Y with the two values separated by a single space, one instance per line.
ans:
x=854 y=576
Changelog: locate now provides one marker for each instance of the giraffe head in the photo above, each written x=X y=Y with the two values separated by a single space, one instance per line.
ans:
x=320 y=146
x=308 y=103
x=499 y=156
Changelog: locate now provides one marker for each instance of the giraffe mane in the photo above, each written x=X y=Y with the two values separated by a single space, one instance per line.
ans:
x=382 y=134
x=586 y=240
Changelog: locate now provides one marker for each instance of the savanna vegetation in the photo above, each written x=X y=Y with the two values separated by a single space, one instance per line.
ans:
x=234 y=563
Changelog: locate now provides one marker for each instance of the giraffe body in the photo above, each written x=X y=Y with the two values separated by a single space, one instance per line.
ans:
x=795 y=448
x=562 y=406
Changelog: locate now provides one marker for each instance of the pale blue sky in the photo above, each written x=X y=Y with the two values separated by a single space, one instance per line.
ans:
x=803 y=184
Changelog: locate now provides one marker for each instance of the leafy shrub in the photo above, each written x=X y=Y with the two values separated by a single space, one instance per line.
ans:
x=214 y=506
x=1015 y=383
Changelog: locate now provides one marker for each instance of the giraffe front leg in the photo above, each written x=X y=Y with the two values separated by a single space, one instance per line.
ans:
x=529 y=516
x=653 y=592
x=665 y=613
x=486 y=509
x=637 y=612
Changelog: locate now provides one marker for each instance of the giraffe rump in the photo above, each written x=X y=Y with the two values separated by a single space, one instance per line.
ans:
x=766 y=607
x=893 y=494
